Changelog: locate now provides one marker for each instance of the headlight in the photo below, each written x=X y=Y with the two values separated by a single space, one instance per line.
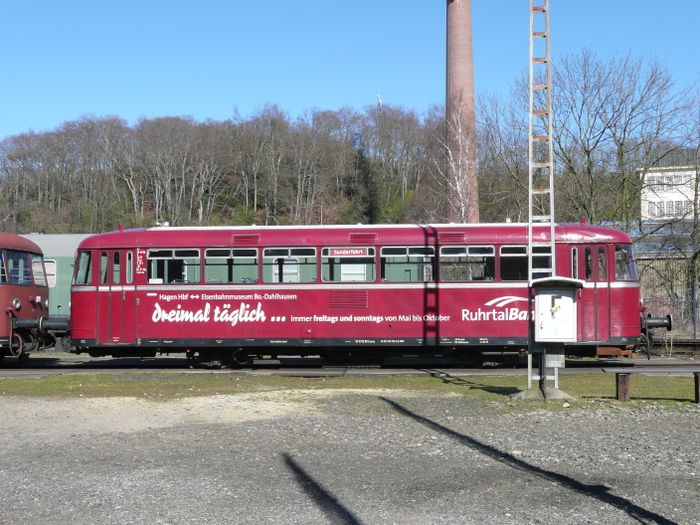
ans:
x=16 y=303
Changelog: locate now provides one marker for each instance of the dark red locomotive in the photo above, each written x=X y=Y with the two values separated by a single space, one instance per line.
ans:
x=23 y=296
x=234 y=292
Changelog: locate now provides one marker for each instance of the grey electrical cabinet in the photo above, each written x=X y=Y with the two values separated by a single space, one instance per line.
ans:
x=555 y=309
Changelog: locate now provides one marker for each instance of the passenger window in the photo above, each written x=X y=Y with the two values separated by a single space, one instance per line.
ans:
x=173 y=266
x=352 y=264
x=226 y=265
x=467 y=263
x=541 y=260
x=103 y=267
x=574 y=263
x=116 y=268
x=412 y=264
x=289 y=265
x=602 y=264
x=129 y=267
x=589 y=264
x=513 y=263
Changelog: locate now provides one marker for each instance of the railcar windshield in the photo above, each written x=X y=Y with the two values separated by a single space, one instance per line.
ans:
x=83 y=268
x=625 y=266
x=22 y=268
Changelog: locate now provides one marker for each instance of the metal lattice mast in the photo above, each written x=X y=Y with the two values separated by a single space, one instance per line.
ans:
x=541 y=253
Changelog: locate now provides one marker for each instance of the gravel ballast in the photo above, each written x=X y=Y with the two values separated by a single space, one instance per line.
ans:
x=341 y=456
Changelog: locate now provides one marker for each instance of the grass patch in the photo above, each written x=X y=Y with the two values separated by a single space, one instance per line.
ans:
x=168 y=385
x=145 y=385
x=642 y=387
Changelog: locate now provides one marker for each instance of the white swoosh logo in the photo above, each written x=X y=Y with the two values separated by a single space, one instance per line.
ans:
x=505 y=300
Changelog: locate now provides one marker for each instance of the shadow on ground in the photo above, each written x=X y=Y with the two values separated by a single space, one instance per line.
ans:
x=598 y=492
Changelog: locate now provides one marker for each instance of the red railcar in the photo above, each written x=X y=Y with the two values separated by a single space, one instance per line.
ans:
x=23 y=296
x=233 y=292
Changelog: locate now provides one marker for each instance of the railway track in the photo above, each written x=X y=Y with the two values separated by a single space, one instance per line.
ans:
x=686 y=347
x=41 y=365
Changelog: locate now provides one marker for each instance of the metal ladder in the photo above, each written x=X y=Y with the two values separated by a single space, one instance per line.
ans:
x=541 y=254
x=540 y=235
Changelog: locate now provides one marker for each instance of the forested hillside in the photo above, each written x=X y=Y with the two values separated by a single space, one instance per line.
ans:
x=382 y=164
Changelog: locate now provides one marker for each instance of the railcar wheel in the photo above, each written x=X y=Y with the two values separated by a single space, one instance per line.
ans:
x=16 y=344
x=31 y=344
x=46 y=341
x=237 y=359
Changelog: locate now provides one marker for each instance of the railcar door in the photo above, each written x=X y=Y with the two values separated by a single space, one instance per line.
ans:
x=594 y=306
x=124 y=296
x=116 y=303
x=104 y=306
x=602 y=298
x=624 y=293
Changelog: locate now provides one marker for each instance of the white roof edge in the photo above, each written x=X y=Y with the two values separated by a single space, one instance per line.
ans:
x=341 y=226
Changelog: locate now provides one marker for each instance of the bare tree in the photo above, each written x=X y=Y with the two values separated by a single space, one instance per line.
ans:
x=614 y=119
x=335 y=191
x=120 y=146
x=452 y=162
x=503 y=159
x=392 y=137
x=611 y=119
x=165 y=150
x=208 y=172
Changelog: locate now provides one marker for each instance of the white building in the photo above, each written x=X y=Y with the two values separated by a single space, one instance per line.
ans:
x=668 y=188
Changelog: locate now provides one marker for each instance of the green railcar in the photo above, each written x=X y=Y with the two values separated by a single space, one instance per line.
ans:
x=59 y=252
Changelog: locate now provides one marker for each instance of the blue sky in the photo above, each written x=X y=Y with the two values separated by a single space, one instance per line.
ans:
x=210 y=58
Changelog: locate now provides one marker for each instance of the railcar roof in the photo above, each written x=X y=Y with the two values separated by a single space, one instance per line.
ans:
x=10 y=241
x=340 y=235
